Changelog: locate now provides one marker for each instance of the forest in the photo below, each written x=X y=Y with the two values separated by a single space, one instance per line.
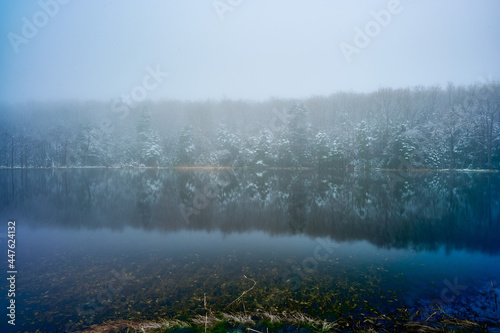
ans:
x=456 y=127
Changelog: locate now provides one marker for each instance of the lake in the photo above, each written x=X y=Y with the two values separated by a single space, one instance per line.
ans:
x=99 y=245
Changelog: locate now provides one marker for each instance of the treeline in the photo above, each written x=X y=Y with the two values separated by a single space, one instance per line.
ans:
x=422 y=127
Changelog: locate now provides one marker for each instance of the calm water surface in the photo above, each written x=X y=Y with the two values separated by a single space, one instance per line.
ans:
x=99 y=245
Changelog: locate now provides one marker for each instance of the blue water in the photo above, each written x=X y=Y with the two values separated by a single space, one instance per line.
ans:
x=90 y=251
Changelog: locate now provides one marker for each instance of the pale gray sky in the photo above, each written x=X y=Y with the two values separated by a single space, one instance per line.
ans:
x=251 y=49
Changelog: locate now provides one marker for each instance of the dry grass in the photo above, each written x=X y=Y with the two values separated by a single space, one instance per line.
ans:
x=300 y=319
x=238 y=318
x=210 y=320
x=133 y=327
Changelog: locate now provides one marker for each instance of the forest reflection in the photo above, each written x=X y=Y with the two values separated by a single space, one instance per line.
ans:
x=422 y=211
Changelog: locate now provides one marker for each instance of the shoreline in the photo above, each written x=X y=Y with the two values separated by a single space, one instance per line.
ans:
x=215 y=168
x=264 y=322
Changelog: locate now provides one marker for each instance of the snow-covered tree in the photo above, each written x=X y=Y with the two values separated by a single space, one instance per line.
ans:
x=322 y=151
x=299 y=134
x=400 y=150
x=363 y=146
x=228 y=146
x=185 y=147
x=149 y=147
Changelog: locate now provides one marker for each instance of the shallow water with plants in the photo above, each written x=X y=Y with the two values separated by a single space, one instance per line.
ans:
x=98 y=246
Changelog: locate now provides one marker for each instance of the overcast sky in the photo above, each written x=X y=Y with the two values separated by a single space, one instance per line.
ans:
x=250 y=49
